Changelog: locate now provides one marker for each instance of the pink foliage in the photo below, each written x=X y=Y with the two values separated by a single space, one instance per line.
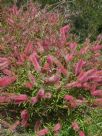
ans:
x=25 y=118
x=29 y=48
x=35 y=62
x=81 y=133
x=4 y=99
x=7 y=72
x=41 y=93
x=34 y=100
x=42 y=132
x=53 y=79
x=18 y=99
x=79 y=66
x=75 y=126
x=29 y=85
x=98 y=102
x=57 y=127
x=97 y=93
x=4 y=63
x=7 y=80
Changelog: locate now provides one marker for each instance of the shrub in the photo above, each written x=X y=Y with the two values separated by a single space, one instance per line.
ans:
x=46 y=77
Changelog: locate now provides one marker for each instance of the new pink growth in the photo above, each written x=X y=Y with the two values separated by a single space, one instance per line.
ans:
x=43 y=132
x=63 y=70
x=37 y=126
x=10 y=21
x=86 y=75
x=69 y=57
x=73 y=46
x=25 y=118
x=75 y=126
x=79 y=66
x=15 y=11
x=53 y=79
x=48 y=95
x=25 y=115
x=74 y=84
x=14 y=126
x=18 y=99
x=40 y=48
x=7 y=80
x=54 y=60
x=57 y=127
x=31 y=78
x=41 y=93
x=84 y=50
x=28 y=85
x=34 y=100
x=35 y=62
x=4 y=99
x=4 y=63
x=46 y=67
x=49 y=59
x=81 y=133
x=98 y=102
x=7 y=72
x=28 y=49
x=63 y=33
x=97 y=93
x=71 y=100
x=97 y=47
x=68 y=97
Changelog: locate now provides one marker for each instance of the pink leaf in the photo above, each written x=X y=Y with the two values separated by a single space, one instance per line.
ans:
x=69 y=57
x=24 y=123
x=68 y=97
x=57 y=127
x=41 y=93
x=86 y=75
x=81 y=133
x=35 y=62
x=79 y=66
x=34 y=100
x=15 y=11
x=63 y=70
x=71 y=100
x=29 y=85
x=25 y=115
x=10 y=21
x=63 y=33
x=46 y=67
x=42 y=132
x=31 y=78
x=28 y=48
x=7 y=72
x=73 y=84
x=49 y=59
x=98 y=102
x=97 y=47
x=7 y=80
x=97 y=93
x=4 y=99
x=48 y=95
x=37 y=126
x=18 y=99
x=4 y=63
x=14 y=126
x=73 y=46
x=53 y=79
x=75 y=126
